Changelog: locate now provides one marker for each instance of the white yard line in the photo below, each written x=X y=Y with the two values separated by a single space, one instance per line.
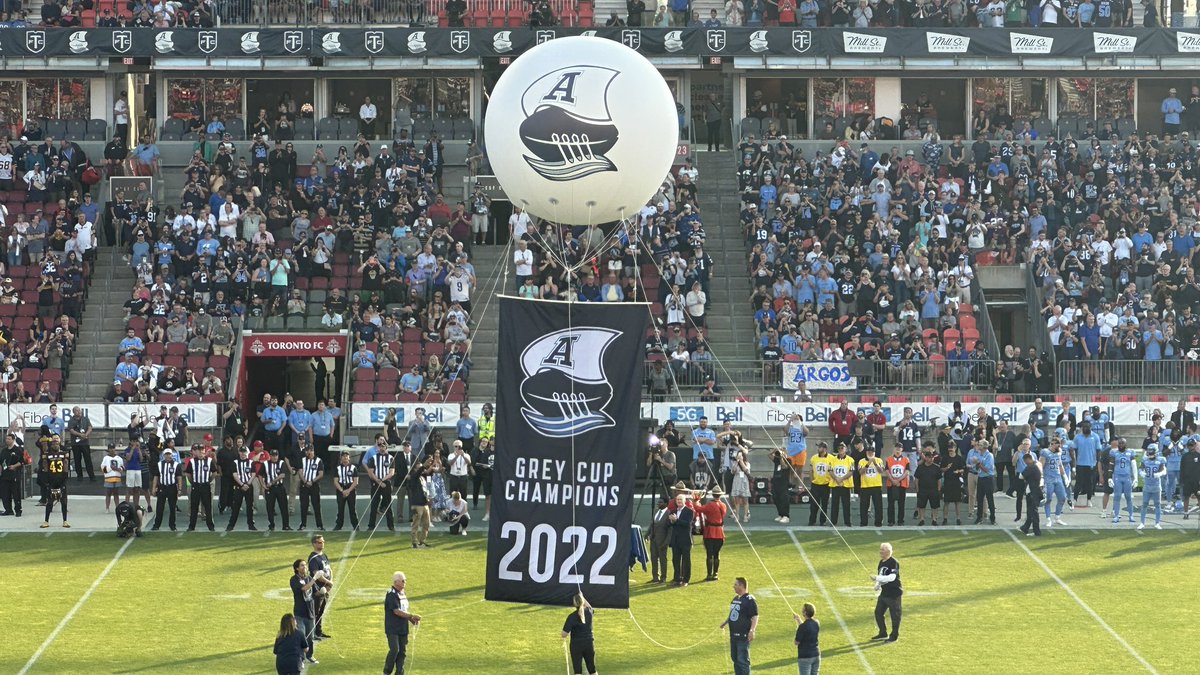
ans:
x=832 y=607
x=1103 y=624
x=74 y=610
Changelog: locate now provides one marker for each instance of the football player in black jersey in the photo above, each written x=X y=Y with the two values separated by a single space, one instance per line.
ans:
x=55 y=466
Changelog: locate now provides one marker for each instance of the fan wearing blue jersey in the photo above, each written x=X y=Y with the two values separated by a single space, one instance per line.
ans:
x=1154 y=469
x=1054 y=475
x=1123 y=472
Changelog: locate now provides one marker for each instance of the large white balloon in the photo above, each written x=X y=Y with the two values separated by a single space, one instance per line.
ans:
x=581 y=130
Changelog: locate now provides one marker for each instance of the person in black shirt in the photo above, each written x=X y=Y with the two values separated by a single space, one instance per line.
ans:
x=318 y=562
x=780 y=477
x=396 y=619
x=808 y=649
x=302 y=604
x=887 y=582
x=578 y=627
x=742 y=622
x=168 y=478
x=954 y=467
x=290 y=647
x=1032 y=475
x=928 y=477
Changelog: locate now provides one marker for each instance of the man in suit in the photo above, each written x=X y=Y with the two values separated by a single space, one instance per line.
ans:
x=681 y=539
x=659 y=537
x=1182 y=418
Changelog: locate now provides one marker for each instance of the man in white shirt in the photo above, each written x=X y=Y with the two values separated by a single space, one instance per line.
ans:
x=227 y=220
x=1055 y=325
x=523 y=262
x=121 y=117
x=696 y=299
x=518 y=222
x=87 y=234
x=366 y=118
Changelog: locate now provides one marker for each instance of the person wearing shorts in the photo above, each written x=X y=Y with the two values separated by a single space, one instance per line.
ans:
x=112 y=467
x=929 y=478
x=136 y=461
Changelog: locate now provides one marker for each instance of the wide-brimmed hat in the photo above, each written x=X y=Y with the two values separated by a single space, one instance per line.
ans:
x=680 y=487
x=717 y=491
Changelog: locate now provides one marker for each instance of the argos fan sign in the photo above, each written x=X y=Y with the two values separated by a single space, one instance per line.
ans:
x=562 y=482
x=564 y=140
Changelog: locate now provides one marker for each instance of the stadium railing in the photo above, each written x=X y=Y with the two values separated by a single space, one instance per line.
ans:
x=1134 y=377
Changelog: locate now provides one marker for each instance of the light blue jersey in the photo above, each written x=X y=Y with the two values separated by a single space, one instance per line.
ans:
x=1052 y=466
x=1122 y=465
x=1150 y=469
x=797 y=440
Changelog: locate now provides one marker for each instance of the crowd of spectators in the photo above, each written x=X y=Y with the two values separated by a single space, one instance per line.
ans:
x=861 y=255
x=896 y=13
x=48 y=240
x=212 y=13
x=257 y=238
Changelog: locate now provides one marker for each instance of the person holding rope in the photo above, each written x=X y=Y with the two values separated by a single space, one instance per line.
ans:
x=302 y=584
x=578 y=627
x=742 y=622
x=322 y=571
x=887 y=583
x=808 y=649
x=396 y=621
x=712 y=512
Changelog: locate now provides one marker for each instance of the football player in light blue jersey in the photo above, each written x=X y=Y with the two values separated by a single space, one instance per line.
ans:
x=1154 y=469
x=1124 y=468
x=1055 y=476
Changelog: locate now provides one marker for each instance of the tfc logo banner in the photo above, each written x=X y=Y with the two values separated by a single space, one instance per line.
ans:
x=564 y=474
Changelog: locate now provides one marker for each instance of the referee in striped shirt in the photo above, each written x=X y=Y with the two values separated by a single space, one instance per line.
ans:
x=200 y=474
x=346 y=486
x=274 y=477
x=311 y=472
x=380 y=472
x=243 y=489
x=167 y=480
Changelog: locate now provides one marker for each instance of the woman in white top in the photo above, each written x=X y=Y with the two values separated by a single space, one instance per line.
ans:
x=458 y=513
x=740 y=491
x=696 y=300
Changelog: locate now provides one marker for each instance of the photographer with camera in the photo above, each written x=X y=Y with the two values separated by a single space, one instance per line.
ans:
x=731 y=444
x=661 y=461
x=129 y=520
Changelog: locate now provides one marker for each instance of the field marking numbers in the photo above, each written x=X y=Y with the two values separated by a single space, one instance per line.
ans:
x=74 y=610
x=832 y=607
x=1103 y=624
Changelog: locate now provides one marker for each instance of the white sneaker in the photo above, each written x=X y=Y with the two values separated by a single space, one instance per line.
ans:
x=485 y=517
x=1058 y=521
x=778 y=519
x=1158 y=526
x=785 y=520
x=1103 y=513
x=1140 y=527
x=1089 y=503
x=1049 y=523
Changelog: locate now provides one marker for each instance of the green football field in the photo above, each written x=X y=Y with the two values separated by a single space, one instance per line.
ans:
x=977 y=601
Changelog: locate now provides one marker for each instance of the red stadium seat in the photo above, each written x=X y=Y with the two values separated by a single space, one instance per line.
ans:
x=1004 y=398
x=895 y=398
x=932 y=398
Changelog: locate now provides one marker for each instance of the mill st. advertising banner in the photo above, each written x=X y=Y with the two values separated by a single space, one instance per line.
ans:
x=568 y=389
x=333 y=42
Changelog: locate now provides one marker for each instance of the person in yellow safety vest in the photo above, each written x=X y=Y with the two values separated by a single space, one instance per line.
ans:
x=870 y=472
x=821 y=482
x=841 y=476
x=487 y=424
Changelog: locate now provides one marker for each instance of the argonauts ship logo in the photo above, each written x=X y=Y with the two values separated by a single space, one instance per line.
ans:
x=567 y=126
x=565 y=389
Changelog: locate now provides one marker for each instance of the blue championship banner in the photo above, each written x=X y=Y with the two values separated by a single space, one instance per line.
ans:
x=562 y=492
